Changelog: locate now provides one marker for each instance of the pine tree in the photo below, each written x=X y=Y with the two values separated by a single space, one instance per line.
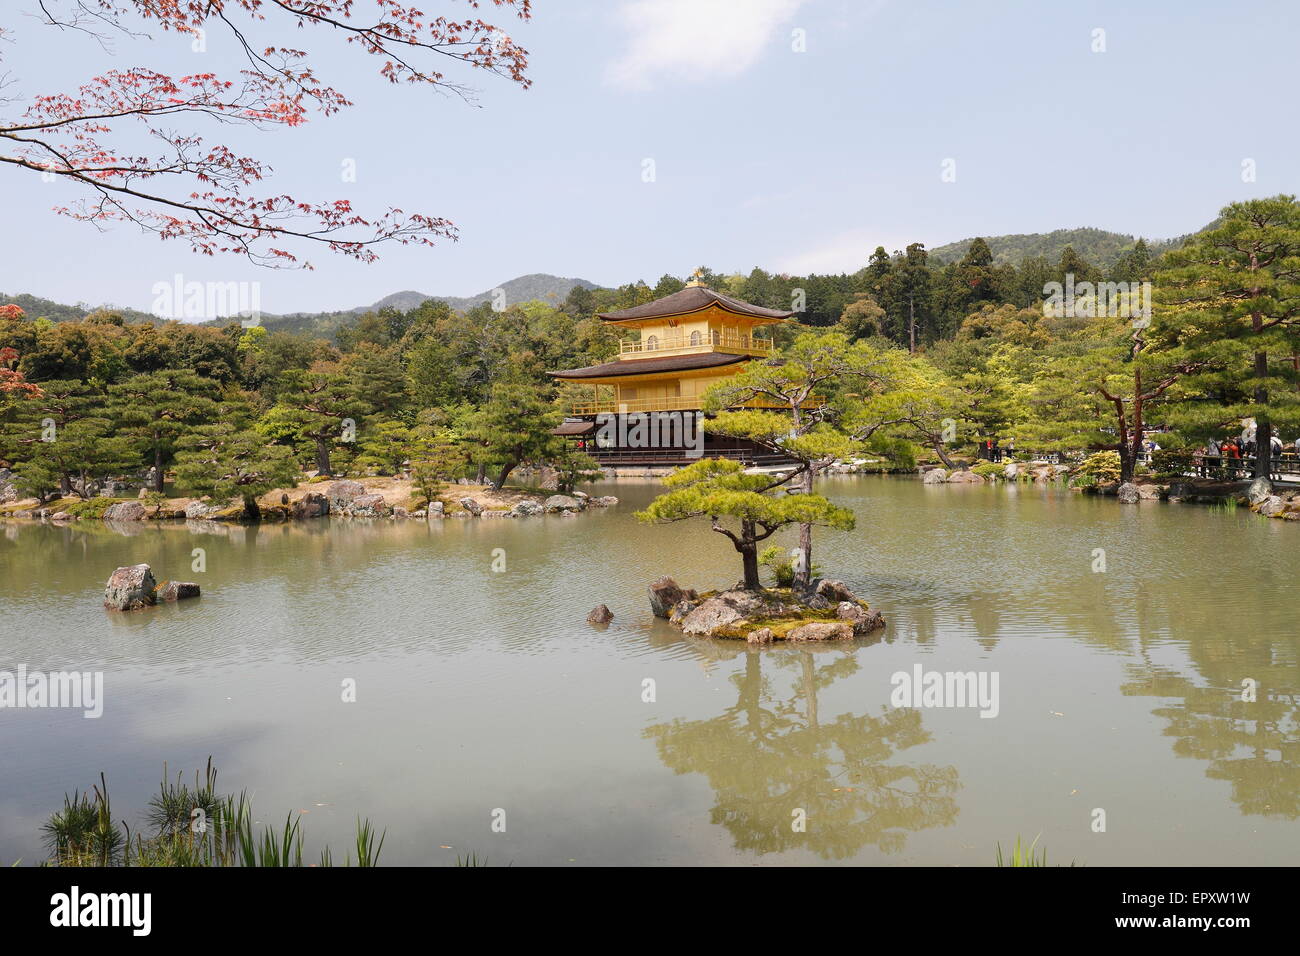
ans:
x=1234 y=291
x=716 y=488
x=155 y=409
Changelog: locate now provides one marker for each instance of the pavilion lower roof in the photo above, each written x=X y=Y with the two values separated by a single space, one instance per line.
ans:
x=668 y=363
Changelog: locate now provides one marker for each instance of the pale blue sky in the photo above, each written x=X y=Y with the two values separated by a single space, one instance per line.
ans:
x=763 y=155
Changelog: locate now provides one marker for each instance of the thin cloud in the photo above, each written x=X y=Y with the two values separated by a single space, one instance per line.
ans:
x=694 y=40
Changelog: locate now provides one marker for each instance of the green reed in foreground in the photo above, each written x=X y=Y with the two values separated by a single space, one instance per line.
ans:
x=192 y=826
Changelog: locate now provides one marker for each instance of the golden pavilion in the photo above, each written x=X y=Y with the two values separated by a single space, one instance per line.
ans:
x=686 y=342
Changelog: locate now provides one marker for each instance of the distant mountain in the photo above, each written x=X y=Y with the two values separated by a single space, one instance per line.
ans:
x=36 y=307
x=537 y=286
x=1098 y=246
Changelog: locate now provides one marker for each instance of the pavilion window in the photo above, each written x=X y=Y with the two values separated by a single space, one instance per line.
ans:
x=652 y=343
x=695 y=337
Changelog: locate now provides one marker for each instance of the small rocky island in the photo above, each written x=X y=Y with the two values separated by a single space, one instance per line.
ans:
x=826 y=611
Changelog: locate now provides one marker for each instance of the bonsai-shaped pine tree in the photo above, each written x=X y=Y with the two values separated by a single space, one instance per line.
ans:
x=226 y=460
x=719 y=489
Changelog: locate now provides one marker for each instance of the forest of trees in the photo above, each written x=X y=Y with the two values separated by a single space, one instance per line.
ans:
x=236 y=411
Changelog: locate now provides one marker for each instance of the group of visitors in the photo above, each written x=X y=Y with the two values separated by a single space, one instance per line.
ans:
x=1231 y=454
x=990 y=449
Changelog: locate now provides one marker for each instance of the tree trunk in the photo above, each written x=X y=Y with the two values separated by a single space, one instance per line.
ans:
x=251 y=511
x=943 y=455
x=803 y=573
x=1126 y=461
x=323 y=458
x=749 y=556
x=481 y=477
x=1263 y=427
x=157 y=465
x=501 y=478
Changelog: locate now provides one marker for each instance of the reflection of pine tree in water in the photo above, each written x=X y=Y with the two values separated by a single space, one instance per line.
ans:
x=766 y=757
x=1255 y=746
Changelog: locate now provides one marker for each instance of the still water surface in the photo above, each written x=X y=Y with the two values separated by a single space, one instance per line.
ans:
x=479 y=690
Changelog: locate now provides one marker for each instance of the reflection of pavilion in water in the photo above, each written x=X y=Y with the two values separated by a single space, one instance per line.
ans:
x=771 y=755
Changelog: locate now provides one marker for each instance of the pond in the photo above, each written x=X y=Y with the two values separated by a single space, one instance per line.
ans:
x=482 y=696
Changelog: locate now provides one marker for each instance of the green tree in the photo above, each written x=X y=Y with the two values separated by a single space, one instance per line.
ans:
x=800 y=381
x=319 y=405
x=156 y=408
x=229 y=459
x=717 y=489
x=1235 y=292
x=514 y=427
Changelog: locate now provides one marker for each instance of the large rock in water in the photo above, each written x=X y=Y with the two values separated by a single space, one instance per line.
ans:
x=341 y=493
x=1272 y=505
x=178 y=591
x=125 y=511
x=821 y=631
x=369 y=506
x=600 y=614
x=834 y=591
x=1259 y=489
x=471 y=506
x=526 y=508
x=310 y=506
x=935 y=476
x=562 y=503
x=130 y=588
x=859 y=618
x=727 y=608
x=965 y=477
x=1128 y=493
x=664 y=594
x=199 y=509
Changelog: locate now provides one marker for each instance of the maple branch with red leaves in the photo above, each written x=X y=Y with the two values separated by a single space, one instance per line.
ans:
x=199 y=193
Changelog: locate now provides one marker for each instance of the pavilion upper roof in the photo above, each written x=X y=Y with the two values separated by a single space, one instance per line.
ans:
x=692 y=299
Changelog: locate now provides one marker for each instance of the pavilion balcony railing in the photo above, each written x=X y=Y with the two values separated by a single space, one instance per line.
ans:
x=673 y=404
x=667 y=345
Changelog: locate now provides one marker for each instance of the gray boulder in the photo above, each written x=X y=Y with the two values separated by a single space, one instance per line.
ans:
x=821 y=631
x=436 y=509
x=603 y=501
x=472 y=506
x=965 y=477
x=935 y=476
x=130 y=588
x=558 y=503
x=834 y=591
x=526 y=508
x=1011 y=471
x=761 y=635
x=369 y=506
x=729 y=607
x=310 y=505
x=125 y=511
x=178 y=591
x=1128 y=493
x=199 y=509
x=680 y=610
x=862 y=620
x=600 y=614
x=1272 y=505
x=1259 y=489
x=342 y=493
x=665 y=594
x=710 y=616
